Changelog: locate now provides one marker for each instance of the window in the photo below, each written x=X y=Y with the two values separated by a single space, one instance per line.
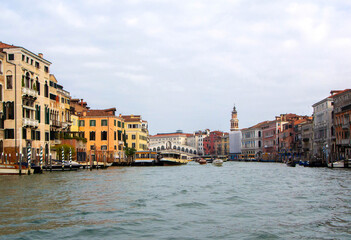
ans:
x=103 y=147
x=24 y=133
x=92 y=136
x=31 y=62
x=122 y=125
x=33 y=134
x=81 y=123
x=23 y=57
x=92 y=147
x=115 y=147
x=46 y=90
x=103 y=135
x=9 y=82
x=9 y=110
x=115 y=122
x=46 y=69
x=92 y=123
x=37 y=133
x=38 y=86
x=133 y=136
x=119 y=124
x=11 y=57
x=0 y=67
x=0 y=93
x=115 y=135
x=119 y=135
x=9 y=133
x=37 y=64
x=46 y=136
x=133 y=145
x=62 y=100
x=104 y=122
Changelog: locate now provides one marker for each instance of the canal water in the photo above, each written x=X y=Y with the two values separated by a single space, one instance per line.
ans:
x=237 y=201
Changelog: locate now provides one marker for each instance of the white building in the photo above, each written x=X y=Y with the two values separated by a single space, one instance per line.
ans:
x=322 y=125
x=251 y=141
x=196 y=140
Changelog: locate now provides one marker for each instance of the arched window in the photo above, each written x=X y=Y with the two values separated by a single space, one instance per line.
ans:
x=174 y=147
x=27 y=80
x=179 y=148
x=163 y=147
x=37 y=85
x=259 y=133
x=9 y=80
x=154 y=149
x=46 y=89
x=194 y=151
x=186 y=150
x=191 y=151
x=182 y=149
x=259 y=144
x=158 y=149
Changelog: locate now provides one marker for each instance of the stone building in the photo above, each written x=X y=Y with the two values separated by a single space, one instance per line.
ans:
x=342 y=125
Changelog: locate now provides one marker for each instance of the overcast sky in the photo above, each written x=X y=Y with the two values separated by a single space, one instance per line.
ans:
x=182 y=64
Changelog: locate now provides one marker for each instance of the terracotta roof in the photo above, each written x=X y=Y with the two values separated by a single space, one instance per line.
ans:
x=337 y=92
x=102 y=112
x=170 y=135
x=4 y=45
x=131 y=118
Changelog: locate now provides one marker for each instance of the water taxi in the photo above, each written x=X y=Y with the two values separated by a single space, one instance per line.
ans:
x=169 y=159
x=217 y=162
x=145 y=158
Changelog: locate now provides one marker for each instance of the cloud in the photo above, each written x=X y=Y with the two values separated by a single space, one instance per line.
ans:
x=193 y=58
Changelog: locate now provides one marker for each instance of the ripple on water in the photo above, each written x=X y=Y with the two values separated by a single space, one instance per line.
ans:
x=237 y=201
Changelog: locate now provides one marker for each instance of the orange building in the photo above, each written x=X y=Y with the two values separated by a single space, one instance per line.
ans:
x=104 y=133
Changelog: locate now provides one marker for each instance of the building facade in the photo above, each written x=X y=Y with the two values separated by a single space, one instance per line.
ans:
x=342 y=125
x=26 y=102
x=137 y=133
x=104 y=133
x=322 y=128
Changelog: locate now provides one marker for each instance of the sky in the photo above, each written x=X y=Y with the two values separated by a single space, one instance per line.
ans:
x=183 y=64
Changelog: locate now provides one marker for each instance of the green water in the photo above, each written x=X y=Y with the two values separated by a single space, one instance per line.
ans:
x=236 y=201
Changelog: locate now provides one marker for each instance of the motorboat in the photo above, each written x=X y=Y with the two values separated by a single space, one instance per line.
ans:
x=340 y=164
x=217 y=162
x=14 y=169
x=57 y=165
x=202 y=161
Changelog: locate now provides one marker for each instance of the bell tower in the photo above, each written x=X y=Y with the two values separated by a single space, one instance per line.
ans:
x=234 y=122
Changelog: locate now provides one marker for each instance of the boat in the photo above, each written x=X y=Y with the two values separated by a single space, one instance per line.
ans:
x=14 y=169
x=95 y=164
x=145 y=158
x=171 y=158
x=57 y=166
x=340 y=164
x=291 y=164
x=217 y=162
x=202 y=161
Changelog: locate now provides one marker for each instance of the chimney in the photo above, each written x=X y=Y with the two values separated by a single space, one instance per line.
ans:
x=81 y=102
x=40 y=55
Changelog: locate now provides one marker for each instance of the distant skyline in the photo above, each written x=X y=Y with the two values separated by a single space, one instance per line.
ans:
x=183 y=65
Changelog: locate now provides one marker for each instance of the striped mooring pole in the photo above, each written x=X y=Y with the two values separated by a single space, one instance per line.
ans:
x=63 y=159
x=70 y=158
x=41 y=159
x=29 y=156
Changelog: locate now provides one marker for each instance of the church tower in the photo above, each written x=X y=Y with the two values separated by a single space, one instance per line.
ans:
x=234 y=122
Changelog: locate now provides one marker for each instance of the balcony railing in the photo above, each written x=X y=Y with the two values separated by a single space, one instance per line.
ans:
x=29 y=92
x=55 y=123
x=345 y=141
x=346 y=125
x=30 y=122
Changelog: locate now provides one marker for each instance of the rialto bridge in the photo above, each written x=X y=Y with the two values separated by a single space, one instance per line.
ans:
x=190 y=151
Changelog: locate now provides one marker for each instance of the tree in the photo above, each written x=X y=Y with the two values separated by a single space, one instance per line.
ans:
x=66 y=148
x=129 y=152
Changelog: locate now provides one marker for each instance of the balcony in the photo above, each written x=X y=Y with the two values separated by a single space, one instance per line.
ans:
x=65 y=125
x=346 y=125
x=31 y=93
x=27 y=122
x=345 y=141
x=55 y=123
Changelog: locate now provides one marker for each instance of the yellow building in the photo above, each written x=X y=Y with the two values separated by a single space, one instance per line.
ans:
x=137 y=134
x=74 y=126
x=104 y=133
